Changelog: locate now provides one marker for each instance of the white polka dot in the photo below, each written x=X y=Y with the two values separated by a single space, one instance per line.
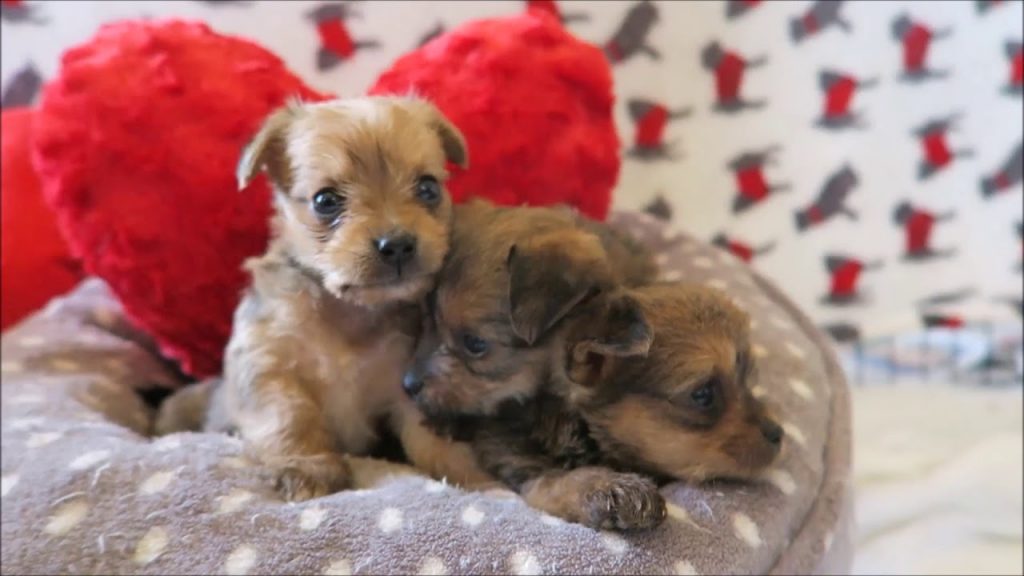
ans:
x=42 y=439
x=828 y=541
x=105 y=317
x=167 y=444
x=25 y=423
x=472 y=516
x=390 y=520
x=801 y=388
x=758 y=391
x=151 y=545
x=311 y=518
x=795 y=350
x=11 y=367
x=718 y=284
x=781 y=323
x=523 y=563
x=89 y=459
x=746 y=530
x=672 y=275
x=114 y=365
x=7 y=483
x=66 y=517
x=783 y=481
x=233 y=501
x=240 y=560
x=550 y=520
x=614 y=543
x=680 y=515
x=500 y=493
x=684 y=568
x=795 y=433
x=236 y=462
x=31 y=342
x=433 y=566
x=26 y=399
x=759 y=351
x=61 y=365
x=156 y=483
x=703 y=262
x=339 y=568
x=107 y=385
x=433 y=486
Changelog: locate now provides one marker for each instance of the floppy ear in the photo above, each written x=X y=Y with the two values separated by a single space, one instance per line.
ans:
x=613 y=327
x=547 y=279
x=266 y=150
x=452 y=141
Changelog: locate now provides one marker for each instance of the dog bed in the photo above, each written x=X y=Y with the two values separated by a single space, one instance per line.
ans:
x=85 y=489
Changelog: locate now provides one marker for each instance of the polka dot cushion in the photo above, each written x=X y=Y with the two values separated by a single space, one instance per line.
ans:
x=86 y=490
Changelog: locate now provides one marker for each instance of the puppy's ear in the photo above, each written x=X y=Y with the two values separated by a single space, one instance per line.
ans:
x=452 y=141
x=549 y=276
x=613 y=326
x=267 y=150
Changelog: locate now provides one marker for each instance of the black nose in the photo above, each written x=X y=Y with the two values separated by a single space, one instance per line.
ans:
x=396 y=249
x=412 y=383
x=772 y=432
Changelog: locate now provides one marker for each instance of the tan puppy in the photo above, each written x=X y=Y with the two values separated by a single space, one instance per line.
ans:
x=362 y=225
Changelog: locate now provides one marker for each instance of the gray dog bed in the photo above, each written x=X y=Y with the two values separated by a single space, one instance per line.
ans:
x=86 y=490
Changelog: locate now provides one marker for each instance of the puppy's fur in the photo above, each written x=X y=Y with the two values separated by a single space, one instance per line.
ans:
x=493 y=288
x=319 y=341
x=592 y=389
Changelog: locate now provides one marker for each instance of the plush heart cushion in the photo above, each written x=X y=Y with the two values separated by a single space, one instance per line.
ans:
x=136 y=144
x=36 y=264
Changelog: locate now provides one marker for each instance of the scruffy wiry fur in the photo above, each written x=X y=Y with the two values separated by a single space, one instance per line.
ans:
x=321 y=337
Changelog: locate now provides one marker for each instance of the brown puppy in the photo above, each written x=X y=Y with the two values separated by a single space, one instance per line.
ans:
x=609 y=399
x=511 y=275
x=362 y=224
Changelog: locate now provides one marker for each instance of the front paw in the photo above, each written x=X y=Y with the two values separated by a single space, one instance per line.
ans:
x=618 y=501
x=301 y=478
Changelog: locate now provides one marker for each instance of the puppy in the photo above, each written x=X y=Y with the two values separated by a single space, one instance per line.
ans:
x=557 y=379
x=361 y=227
x=495 y=303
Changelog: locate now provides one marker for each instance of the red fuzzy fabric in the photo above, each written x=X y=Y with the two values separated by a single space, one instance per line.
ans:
x=534 y=103
x=36 y=264
x=136 y=144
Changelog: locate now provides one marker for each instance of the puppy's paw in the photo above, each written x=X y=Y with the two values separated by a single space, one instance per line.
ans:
x=617 y=501
x=306 y=477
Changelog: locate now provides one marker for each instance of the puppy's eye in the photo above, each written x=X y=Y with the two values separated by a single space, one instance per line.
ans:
x=327 y=203
x=474 y=345
x=428 y=190
x=704 y=395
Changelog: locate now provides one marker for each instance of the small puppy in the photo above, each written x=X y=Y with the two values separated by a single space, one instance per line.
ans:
x=511 y=275
x=320 y=339
x=574 y=392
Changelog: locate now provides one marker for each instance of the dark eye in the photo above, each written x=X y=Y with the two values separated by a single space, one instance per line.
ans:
x=474 y=345
x=428 y=190
x=704 y=395
x=327 y=203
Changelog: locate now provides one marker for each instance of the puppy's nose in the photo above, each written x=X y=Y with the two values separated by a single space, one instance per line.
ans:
x=396 y=249
x=772 y=432
x=412 y=383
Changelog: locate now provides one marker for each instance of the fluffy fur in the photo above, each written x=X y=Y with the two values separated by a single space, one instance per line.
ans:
x=315 y=358
x=587 y=390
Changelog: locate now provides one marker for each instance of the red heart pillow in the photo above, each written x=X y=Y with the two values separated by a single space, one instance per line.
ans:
x=136 y=143
x=535 y=106
x=36 y=264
